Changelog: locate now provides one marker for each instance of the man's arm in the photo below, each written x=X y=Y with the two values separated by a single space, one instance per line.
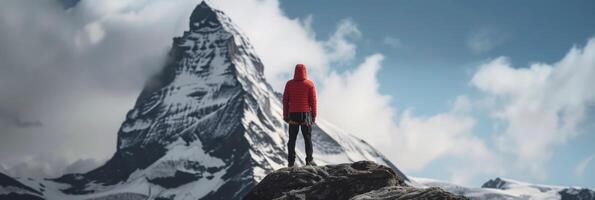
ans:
x=286 y=103
x=313 y=102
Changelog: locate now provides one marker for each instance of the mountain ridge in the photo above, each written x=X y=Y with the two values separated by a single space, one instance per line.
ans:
x=208 y=126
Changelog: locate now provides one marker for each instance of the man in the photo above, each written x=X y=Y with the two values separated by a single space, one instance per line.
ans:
x=299 y=110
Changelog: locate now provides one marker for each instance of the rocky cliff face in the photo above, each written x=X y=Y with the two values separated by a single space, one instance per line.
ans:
x=358 y=180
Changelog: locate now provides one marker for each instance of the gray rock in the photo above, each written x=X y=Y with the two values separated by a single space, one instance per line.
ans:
x=577 y=194
x=341 y=181
x=406 y=192
x=359 y=180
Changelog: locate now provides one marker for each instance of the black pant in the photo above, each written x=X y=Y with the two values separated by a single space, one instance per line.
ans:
x=306 y=127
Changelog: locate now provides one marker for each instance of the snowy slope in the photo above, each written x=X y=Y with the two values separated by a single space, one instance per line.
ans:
x=11 y=188
x=208 y=126
x=511 y=190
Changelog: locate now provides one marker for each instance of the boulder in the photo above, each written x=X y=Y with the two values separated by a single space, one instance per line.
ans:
x=358 y=180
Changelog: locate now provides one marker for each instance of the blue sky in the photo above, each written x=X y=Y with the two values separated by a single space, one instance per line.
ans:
x=462 y=91
x=432 y=62
x=434 y=36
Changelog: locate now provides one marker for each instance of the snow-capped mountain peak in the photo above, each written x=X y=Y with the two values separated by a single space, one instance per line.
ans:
x=208 y=126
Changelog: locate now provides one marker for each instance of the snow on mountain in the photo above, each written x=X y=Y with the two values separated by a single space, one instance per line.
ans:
x=11 y=188
x=535 y=191
x=208 y=126
x=512 y=190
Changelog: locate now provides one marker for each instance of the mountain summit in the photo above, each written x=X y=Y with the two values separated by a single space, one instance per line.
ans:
x=208 y=126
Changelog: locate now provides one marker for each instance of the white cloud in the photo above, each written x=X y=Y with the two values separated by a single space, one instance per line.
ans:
x=422 y=140
x=580 y=168
x=392 y=42
x=484 y=40
x=91 y=33
x=48 y=165
x=542 y=105
x=81 y=166
x=339 y=46
x=281 y=42
x=352 y=101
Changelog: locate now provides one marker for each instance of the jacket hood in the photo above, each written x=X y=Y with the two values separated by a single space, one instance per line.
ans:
x=300 y=72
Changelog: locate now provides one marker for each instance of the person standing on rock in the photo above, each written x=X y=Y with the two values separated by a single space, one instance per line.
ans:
x=299 y=110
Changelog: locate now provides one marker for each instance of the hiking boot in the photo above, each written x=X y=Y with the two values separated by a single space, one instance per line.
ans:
x=311 y=163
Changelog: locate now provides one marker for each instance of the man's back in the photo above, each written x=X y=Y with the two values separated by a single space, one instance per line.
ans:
x=299 y=94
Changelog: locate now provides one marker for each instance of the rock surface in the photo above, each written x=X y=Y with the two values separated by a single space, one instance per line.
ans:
x=406 y=192
x=358 y=180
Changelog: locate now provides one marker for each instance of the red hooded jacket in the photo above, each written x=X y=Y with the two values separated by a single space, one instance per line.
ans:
x=299 y=94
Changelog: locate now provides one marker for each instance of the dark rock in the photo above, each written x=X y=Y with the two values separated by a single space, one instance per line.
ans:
x=341 y=181
x=178 y=179
x=577 y=194
x=503 y=184
x=494 y=183
x=406 y=192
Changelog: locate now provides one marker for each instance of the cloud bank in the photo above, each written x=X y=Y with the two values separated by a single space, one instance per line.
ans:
x=353 y=102
x=542 y=105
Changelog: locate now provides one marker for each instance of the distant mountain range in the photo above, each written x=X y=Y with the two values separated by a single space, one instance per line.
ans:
x=512 y=190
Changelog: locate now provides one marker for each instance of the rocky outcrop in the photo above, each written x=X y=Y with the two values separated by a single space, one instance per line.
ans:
x=358 y=180
x=577 y=194
x=406 y=192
